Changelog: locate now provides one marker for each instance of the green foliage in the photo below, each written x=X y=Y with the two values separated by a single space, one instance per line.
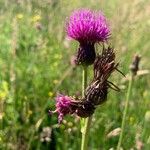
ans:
x=35 y=66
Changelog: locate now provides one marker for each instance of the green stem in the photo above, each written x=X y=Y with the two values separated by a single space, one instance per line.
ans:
x=85 y=122
x=84 y=79
x=85 y=133
x=125 y=113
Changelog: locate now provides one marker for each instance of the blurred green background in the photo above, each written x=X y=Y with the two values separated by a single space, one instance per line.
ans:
x=35 y=65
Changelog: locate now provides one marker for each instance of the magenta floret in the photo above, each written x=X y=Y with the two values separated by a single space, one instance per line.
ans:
x=64 y=106
x=86 y=25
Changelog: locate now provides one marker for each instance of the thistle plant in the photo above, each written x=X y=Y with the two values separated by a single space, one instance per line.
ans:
x=88 y=28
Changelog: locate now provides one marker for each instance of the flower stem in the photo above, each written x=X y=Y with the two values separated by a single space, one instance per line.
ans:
x=85 y=122
x=84 y=79
x=125 y=112
x=85 y=133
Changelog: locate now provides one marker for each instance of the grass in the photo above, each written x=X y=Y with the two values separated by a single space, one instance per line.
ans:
x=35 y=65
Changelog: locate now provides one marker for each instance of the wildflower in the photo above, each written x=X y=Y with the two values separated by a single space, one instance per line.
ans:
x=55 y=81
x=67 y=105
x=55 y=64
x=131 y=120
x=1 y=115
x=88 y=28
x=4 y=90
x=45 y=136
x=19 y=16
x=30 y=112
x=147 y=116
x=36 y=18
x=50 y=94
x=64 y=106
x=58 y=56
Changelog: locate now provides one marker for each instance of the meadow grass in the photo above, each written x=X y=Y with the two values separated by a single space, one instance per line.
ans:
x=35 y=66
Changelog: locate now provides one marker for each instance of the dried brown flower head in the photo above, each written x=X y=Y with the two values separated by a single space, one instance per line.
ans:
x=104 y=65
x=134 y=67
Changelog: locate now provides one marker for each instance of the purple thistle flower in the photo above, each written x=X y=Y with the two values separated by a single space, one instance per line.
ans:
x=64 y=106
x=87 y=27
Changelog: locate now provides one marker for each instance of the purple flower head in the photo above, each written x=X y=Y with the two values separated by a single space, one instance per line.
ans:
x=64 y=105
x=88 y=26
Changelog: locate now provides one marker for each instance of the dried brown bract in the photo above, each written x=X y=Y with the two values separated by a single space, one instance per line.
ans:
x=104 y=65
